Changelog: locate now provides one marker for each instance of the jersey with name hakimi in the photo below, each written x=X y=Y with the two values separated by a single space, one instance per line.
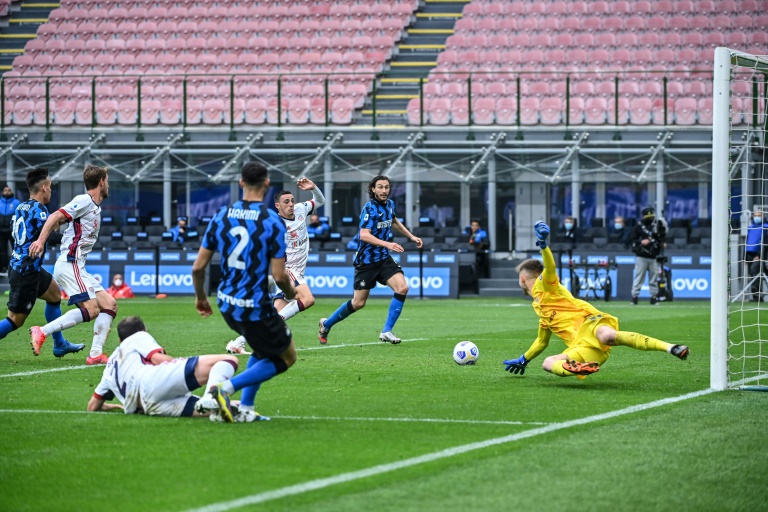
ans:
x=248 y=235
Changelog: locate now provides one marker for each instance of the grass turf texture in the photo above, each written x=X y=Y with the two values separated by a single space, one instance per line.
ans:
x=331 y=415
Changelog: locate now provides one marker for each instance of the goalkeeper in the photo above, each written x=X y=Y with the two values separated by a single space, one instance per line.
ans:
x=589 y=334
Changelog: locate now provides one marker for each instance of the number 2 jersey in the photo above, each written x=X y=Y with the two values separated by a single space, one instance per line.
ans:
x=248 y=235
x=125 y=368
x=28 y=221
x=84 y=217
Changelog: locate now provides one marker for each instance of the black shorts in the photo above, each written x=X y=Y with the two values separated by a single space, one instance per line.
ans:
x=366 y=276
x=270 y=337
x=26 y=288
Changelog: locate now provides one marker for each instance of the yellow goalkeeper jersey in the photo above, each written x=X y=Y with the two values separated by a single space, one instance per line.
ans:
x=559 y=311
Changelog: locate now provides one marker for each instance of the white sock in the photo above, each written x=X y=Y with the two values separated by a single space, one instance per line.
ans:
x=246 y=408
x=69 y=319
x=221 y=371
x=290 y=310
x=101 y=328
x=228 y=387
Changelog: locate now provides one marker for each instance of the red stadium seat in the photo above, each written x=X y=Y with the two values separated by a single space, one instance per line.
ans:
x=685 y=111
x=658 y=111
x=576 y=110
x=460 y=111
x=439 y=111
x=341 y=111
x=483 y=110
x=551 y=110
x=506 y=111
x=598 y=110
x=529 y=111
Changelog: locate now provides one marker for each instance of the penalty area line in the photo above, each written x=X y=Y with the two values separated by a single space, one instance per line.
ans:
x=322 y=483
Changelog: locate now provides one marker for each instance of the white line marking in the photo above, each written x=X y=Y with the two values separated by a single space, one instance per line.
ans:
x=317 y=418
x=322 y=483
x=412 y=420
x=49 y=370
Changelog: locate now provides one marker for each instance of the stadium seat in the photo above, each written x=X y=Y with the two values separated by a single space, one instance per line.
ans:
x=506 y=111
x=483 y=111
x=438 y=110
x=460 y=111
x=529 y=111
x=596 y=110
x=551 y=110
x=414 y=112
x=685 y=111
x=341 y=111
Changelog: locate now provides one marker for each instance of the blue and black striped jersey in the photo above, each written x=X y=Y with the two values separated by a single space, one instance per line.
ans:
x=378 y=218
x=27 y=222
x=248 y=235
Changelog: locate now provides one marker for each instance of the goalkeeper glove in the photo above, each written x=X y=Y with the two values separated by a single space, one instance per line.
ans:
x=542 y=233
x=516 y=365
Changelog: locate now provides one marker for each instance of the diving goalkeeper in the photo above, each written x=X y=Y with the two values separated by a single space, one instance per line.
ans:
x=588 y=333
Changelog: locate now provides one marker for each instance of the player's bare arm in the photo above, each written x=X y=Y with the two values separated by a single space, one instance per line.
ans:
x=55 y=220
x=402 y=229
x=198 y=280
x=282 y=279
x=100 y=405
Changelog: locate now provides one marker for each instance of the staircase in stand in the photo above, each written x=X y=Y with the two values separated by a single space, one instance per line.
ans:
x=415 y=57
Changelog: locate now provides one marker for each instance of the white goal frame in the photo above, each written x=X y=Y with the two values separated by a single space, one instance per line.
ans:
x=725 y=61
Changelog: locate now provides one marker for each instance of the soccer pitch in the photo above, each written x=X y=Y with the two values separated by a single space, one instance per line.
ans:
x=360 y=424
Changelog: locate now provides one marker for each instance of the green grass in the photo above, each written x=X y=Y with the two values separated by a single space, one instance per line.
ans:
x=334 y=412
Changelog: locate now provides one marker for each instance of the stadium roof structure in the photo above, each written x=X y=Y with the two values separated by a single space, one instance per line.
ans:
x=355 y=153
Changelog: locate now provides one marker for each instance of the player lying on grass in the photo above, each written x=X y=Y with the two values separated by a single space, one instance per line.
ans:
x=588 y=333
x=148 y=381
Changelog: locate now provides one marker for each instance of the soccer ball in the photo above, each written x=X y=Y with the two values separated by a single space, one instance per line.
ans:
x=465 y=352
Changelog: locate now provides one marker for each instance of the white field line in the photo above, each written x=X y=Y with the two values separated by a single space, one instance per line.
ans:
x=317 y=418
x=412 y=420
x=322 y=483
x=48 y=370
x=323 y=347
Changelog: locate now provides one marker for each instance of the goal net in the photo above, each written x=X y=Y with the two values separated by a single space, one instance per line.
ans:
x=739 y=222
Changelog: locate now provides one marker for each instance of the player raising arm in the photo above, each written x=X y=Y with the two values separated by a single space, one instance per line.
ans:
x=148 y=381
x=588 y=333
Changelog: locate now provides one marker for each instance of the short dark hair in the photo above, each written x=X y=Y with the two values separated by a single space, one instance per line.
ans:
x=531 y=267
x=93 y=174
x=35 y=177
x=129 y=326
x=254 y=174
x=279 y=195
x=372 y=184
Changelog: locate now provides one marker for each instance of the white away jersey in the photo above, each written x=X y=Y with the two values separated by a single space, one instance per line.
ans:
x=296 y=238
x=84 y=217
x=125 y=368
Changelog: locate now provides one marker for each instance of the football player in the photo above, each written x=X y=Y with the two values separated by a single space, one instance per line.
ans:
x=589 y=334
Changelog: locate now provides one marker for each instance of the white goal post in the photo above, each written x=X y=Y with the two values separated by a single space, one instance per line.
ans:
x=739 y=315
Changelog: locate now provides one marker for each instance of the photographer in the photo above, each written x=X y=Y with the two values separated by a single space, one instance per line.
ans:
x=754 y=251
x=647 y=242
